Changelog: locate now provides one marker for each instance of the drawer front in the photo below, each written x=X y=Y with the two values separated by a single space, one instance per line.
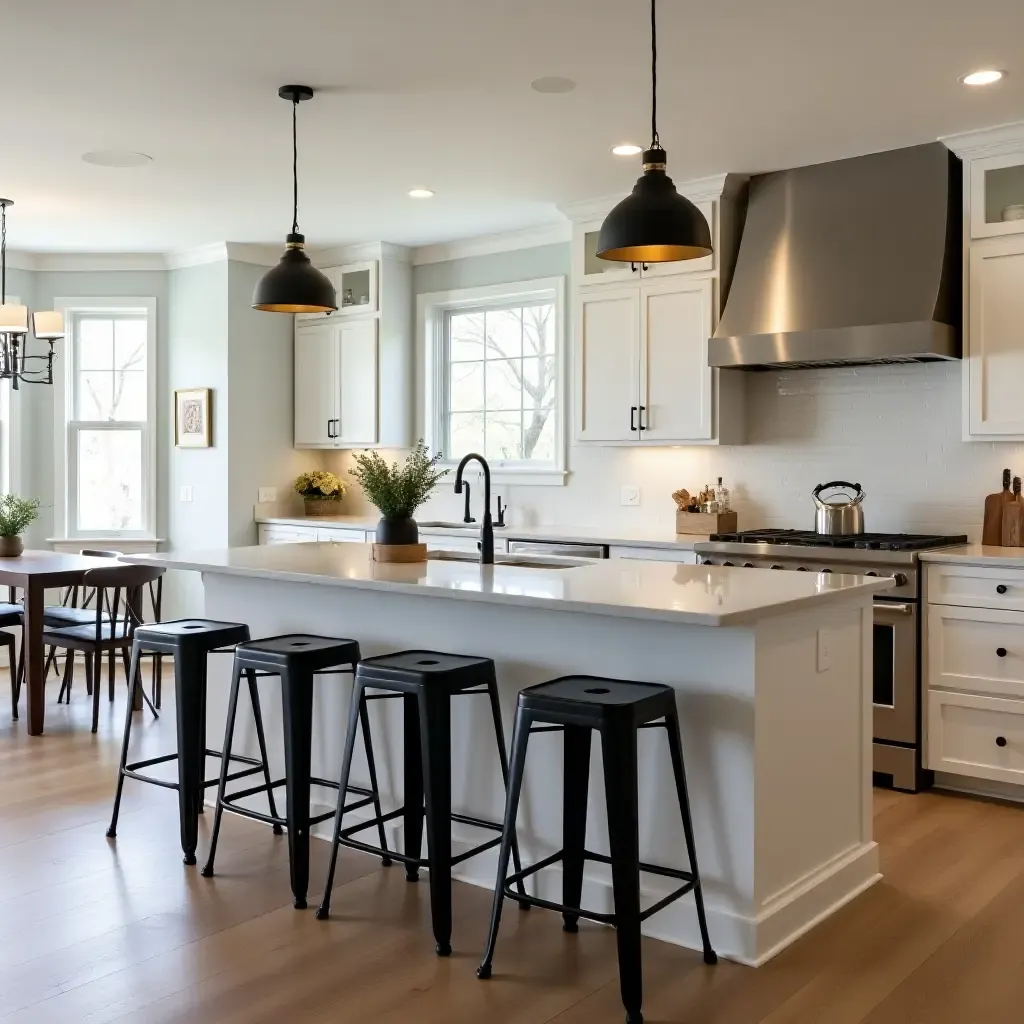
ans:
x=982 y=737
x=286 y=535
x=976 y=649
x=452 y=543
x=336 y=536
x=680 y=557
x=975 y=586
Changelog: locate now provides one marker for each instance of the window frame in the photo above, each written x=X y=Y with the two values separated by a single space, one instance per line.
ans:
x=65 y=485
x=433 y=313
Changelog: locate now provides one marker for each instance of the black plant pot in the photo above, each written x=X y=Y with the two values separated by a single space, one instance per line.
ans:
x=397 y=531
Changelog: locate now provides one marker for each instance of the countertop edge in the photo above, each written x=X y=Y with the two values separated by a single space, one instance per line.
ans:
x=976 y=554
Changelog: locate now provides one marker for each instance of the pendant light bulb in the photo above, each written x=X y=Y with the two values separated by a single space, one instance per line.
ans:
x=654 y=223
x=295 y=285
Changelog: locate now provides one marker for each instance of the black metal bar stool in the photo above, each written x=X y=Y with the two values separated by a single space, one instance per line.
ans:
x=618 y=710
x=426 y=681
x=297 y=659
x=190 y=641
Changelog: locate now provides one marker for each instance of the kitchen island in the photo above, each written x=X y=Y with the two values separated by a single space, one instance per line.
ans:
x=772 y=672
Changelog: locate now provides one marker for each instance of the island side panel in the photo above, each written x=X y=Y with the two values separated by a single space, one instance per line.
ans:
x=711 y=669
x=814 y=844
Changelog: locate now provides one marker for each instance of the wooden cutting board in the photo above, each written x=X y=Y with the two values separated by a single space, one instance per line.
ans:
x=1013 y=518
x=992 y=524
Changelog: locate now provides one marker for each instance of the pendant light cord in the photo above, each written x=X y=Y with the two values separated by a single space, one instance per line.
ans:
x=295 y=168
x=655 y=141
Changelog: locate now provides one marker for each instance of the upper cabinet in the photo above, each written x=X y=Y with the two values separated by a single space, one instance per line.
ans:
x=993 y=316
x=640 y=365
x=354 y=368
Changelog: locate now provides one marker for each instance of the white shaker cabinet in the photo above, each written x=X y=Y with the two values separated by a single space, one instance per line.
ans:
x=358 y=383
x=316 y=395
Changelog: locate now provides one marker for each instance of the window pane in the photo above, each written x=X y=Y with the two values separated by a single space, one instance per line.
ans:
x=130 y=344
x=504 y=390
x=95 y=340
x=466 y=336
x=504 y=333
x=110 y=480
x=539 y=381
x=539 y=434
x=95 y=398
x=504 y=436
x=539 y=330
x=465 y=434
x=467 y=387
x=129 y=395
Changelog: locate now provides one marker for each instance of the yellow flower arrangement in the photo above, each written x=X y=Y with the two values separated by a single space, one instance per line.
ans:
x=320 y=484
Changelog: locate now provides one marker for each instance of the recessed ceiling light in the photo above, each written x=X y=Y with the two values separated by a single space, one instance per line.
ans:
x=984 y=77
x=553 y=84
x=627 y=149
x=116 y=158
x=420 y=193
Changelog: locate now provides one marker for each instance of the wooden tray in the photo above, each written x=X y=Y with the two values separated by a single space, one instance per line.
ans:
x=706 y=522
x=399 y=552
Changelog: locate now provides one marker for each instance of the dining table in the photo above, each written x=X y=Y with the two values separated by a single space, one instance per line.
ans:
x=35 y=572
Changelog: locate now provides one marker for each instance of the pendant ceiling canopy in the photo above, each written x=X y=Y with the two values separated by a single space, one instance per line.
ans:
x=295 y=285
x=654 y=223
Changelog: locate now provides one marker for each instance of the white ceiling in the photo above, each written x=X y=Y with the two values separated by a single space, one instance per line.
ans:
x=436 y=93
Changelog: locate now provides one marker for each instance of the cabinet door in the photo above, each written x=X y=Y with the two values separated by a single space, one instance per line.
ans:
x=996 y=343
x=316 y=385
x=676 y=383
x=357 y=288
x=997 y=195
x=357 y=376
x=607 y=326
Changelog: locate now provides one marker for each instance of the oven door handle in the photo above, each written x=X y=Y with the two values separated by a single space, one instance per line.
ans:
x=899 y=609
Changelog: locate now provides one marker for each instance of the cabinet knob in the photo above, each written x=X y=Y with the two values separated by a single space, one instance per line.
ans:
x=1000 y=741
x=1000 y=652
x=1001 y=589
x=900 y=579
x=707 y=561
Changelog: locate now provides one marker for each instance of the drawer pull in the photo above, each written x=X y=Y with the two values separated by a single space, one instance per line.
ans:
x=1000 y=741
x=1002 y=588
x=1000 y=652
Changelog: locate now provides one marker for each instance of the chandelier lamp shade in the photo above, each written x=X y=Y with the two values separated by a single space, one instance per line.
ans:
x=295 y=285
x=654 y=223
x=16 y=364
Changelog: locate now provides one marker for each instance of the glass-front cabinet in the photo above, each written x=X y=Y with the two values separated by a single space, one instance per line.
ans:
x=356 y=288
x=997 y=195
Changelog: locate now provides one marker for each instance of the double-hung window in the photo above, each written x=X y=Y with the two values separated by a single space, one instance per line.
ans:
x=109 y=413
x=496 y=376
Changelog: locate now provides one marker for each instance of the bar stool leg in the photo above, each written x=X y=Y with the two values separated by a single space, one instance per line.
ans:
x=364 y=722
x=619 y=754
x=257 y=714
x=520 y=741
x=324 y=910
x=575 y=786
x=412 y=784
x=93 y=666
x=225 y=763
x=297 y=690
x=189 y=687
x=112 y=830
x=435 y=733
x=675 y=747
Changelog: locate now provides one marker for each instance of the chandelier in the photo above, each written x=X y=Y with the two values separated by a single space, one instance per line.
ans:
x=16 y=365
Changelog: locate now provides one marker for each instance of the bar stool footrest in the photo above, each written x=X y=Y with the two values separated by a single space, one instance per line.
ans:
x=133 y=770
x=230 y=800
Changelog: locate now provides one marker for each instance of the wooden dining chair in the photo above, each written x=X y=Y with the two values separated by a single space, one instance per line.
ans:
x=115 y=617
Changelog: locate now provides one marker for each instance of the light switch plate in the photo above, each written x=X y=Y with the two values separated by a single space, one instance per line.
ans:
x=267 y=494
x=824 y=650
x=630 y=495
x=185 y=493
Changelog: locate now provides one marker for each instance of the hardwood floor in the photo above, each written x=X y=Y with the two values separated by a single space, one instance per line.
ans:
x=94 y=931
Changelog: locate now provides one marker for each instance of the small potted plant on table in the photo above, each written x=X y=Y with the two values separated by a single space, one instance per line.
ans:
x=16 y=515
x=396 y=491
x=321 y=492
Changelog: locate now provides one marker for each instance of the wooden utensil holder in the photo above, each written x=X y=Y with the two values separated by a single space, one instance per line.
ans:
x=706 y=522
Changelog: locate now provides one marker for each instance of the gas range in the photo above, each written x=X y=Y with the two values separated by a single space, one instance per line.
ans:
x=896 y=676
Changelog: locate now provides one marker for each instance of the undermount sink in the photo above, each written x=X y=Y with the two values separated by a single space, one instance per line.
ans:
x=512 y=560
x=440 y=525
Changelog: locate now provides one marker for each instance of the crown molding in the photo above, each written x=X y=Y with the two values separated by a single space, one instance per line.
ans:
x=336 y=255
x=85 y=262
x=1002 y=138
x=21 y=260
x=484 y=245
x=715 y=186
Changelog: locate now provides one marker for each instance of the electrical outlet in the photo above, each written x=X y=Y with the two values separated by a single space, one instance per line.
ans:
x=630 y=496
x=185 y=494
x=824 y=650
x=267 y=494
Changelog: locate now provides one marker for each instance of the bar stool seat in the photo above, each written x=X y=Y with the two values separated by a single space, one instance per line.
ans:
x=190 y=641
x=617 y=709
x=297 y=659
x=426 y=681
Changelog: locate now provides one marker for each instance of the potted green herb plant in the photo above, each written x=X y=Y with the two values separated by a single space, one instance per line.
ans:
x=16 y=515
x=396 y=491
x=321 y=492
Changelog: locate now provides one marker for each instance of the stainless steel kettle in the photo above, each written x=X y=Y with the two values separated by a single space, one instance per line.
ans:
x=838 y=515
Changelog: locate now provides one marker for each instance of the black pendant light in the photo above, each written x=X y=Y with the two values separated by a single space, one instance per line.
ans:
x=654 y=223
x=295 y=285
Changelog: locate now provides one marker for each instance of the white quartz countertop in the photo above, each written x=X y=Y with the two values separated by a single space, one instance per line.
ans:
x=977 y=554
x=665 y=591
x=614 y=536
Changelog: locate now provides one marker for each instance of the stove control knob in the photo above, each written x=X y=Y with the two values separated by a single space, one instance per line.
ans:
x=727 y=563
x=775 y=567
x=748 y=565
x=872 y=573
x=900 y=579
x=707 y=561
x=826 y=570
x=801 y=568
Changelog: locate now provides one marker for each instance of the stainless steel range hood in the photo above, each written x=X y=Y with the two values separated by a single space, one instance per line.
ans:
x=857 y=261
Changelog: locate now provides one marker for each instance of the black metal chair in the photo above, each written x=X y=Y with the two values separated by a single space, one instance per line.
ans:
x=297 y=659
x=426 y=681
x=617 y=710
x=190 y=642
